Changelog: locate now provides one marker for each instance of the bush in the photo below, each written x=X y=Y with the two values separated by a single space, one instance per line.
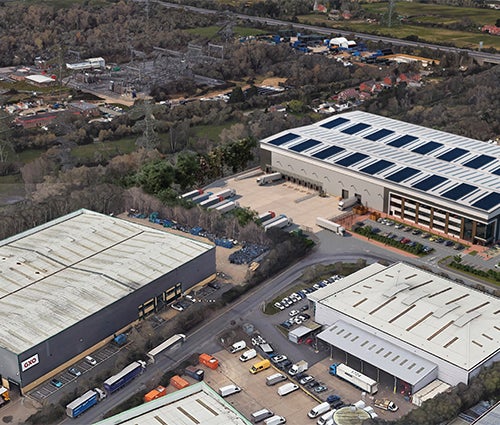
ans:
x=47 y=415
x=136 y=400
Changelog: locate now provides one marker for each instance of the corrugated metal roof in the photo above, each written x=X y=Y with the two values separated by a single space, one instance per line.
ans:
x=465 y=334
x=378 y=352
x=193 y=405
x=57 y=274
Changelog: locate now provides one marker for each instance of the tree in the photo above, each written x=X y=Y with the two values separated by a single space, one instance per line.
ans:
x=156 y=176
x=236 y=96
x=187 y=170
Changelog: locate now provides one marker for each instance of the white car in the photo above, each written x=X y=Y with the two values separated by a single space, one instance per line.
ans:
x=177 y=306
x=190 y=298
x=279 y=358
x=294 y=313
x=279 y=306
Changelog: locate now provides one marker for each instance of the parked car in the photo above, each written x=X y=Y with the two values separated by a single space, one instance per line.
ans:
x=406 y=229
x=293 y=313
x=279 y=358
x=306 y=379
x=399 y=226
x=332 y=398
x=304 y=308
x=425 y=235
x=458 y=246
x=285 y=364
x=90 y=360
x=74 y=371
x=439 y=240
x=416 y=232
x=177 y=306
x=312 y=384
x=320 y=389
x=279 y=306
x=287 y=324
x=56 y=383
x=448 y=243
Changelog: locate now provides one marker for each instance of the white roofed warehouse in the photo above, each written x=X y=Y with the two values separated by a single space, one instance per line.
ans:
x=70 y=283
x=437 y=180
x=408 y=326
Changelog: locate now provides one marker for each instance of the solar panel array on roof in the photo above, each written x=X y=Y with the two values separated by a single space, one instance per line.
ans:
x=334 y=123
x=403 y=174
x=308 y=144
x=497 y=172
x=351 y=159
x=356 y=128
x=453 y=154
x=402 y=141
x=376 y=167
x=429 y=182
x=283 y=139
x=479 y=161
x=459 y=191
x=428 y=147
x=328 y=152
x=488 y=202
x=380 y=134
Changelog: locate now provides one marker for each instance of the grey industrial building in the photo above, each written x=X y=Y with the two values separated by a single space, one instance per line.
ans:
x=437 y=180
x=69 y=284
x=408 y=326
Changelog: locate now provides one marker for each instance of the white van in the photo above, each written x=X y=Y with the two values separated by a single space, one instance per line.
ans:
x=326 y=418
x=228 y=390
x=275 y=420
x=260 y=415
x=238 y=346
x=319 y=410
x=275 y=378
x=287 y=388
x=247 y=355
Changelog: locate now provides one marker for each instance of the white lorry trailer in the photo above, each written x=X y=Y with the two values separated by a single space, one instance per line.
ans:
x=214 y=206
x=272 y=220
x=229 y=206
x=354 y=377
x=280 y=223
x=192 y=194
x=212 y=200
x=348 y=202
x=330 y=225
x=268 y=178
x=268 y=215
x=226 y=193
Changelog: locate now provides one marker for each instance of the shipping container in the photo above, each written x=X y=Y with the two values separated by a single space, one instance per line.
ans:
x=195 y=373
x=209 y=361
x=178 y=382
x=156 y=393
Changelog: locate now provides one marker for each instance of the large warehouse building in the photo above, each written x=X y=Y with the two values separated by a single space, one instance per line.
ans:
x=193 y=405
x=73 y=282
x=438 y=180
x=406 y=326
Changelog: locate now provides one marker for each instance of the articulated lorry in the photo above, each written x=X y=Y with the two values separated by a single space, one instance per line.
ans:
x=115 y=382
x=348 y=203
x=330 y=225
x=85 y=402
x=281 y=223
x=268 y=178
x=354 y=377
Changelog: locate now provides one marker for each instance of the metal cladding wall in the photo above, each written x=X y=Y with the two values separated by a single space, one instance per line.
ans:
x=447 y=372
x=332 y=181
x=81 y=336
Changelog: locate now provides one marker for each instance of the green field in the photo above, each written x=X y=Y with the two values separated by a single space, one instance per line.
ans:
x=211 y=132
x=433 y=13
x=105 y=150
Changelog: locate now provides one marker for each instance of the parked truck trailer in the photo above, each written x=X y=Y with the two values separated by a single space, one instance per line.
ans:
x=354 y=377
x=122 y=378
x=272 y=220
x=192 y=194
x=211 y=200
x=226 y=193
x=268 y=178
x=202 y=197
x=227 y=207
x=348 y=202
x=268 y=215
x=223 y=202
x=279 y=224
x=330 y=225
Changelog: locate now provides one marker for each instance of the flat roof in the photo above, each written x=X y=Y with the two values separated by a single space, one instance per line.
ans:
x=57 y=274
x=400 y=154
x=193 y=405
x=41 y=79
x=377 y=351
x=451 y=321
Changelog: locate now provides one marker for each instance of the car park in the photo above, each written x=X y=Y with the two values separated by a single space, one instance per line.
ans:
x=399 y=226
x=311 y=384
x=56 y=383
x=337 y=404
x=304 y=308
x=416 y=232
x=439 y=240
x=74 y=371
x=285 y=364
x=190 y=298
x=286 y=324
x=425 y=235
x=293 y=313
x=406 y=229
x=375 y=230
x=177 y=306
x=214 y=285
x=448 y=243
x=306 y=316
x=458 y=246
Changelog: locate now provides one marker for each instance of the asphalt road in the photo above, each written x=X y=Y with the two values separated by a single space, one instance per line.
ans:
x=248 y=309
x=482 y=56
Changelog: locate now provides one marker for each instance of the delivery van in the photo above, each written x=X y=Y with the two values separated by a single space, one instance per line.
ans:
x=287 y=388
x=319 y=410
x=228 y=390
x=326 y=417
x=275 y=378
x=238 y=346
x=260 y=366
x=260 y=415
x=275 y=420
x=247 y=355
